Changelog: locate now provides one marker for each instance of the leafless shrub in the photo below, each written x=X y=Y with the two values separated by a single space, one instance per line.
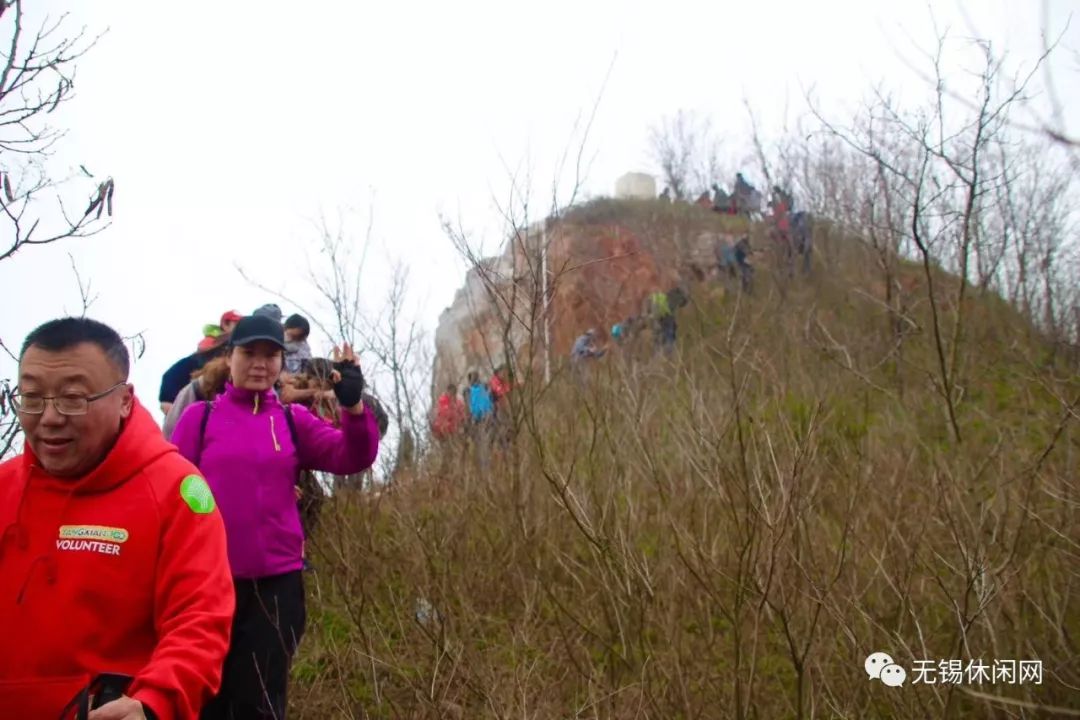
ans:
x=686 y=150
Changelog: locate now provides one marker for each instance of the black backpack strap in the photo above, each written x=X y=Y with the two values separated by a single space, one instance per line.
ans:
x=202 y=431
x=292 y=428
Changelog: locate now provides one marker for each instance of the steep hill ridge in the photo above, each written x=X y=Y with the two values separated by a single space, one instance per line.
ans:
x=603 y=259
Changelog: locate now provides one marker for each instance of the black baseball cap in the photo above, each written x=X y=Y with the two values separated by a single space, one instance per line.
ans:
x=254 y=328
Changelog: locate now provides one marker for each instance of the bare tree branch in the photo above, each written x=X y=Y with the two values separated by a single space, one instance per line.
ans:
x=85 y=297
x=35 y=79
x=687 y=153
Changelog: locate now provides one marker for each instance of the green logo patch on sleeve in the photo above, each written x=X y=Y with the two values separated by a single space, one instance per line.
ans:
x=196 y=493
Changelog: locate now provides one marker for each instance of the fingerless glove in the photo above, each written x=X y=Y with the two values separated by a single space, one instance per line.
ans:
x=349 y=389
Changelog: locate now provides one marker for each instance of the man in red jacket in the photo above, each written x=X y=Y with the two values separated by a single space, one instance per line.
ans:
x=112 y=552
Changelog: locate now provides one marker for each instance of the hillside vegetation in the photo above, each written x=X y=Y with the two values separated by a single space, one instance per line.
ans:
x=729 y=532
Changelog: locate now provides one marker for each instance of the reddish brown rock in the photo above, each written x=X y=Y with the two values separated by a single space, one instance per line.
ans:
x=603 y=260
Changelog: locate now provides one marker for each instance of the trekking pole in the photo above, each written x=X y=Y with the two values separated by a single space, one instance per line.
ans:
x=103 y=689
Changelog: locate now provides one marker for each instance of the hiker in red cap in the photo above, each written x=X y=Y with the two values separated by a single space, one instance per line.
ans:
x=228 y=321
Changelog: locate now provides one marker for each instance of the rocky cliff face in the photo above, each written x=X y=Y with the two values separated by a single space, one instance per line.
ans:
x=603 y=260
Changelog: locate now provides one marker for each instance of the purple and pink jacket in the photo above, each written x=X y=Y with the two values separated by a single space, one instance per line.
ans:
x=249 y=461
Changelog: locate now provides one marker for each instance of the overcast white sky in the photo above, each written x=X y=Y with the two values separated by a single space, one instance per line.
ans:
x=230 y=126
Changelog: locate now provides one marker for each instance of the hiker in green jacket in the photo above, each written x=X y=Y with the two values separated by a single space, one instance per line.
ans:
x=664 y=325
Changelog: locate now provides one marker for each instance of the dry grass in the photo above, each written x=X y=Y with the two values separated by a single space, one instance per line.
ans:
x=726 y=534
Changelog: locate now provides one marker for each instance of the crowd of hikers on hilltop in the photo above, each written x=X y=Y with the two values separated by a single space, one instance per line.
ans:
x=790 y=230
x=481 y=403
x=480 y=409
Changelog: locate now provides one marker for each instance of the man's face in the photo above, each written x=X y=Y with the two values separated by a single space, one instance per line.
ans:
x=294 y=334
x=69 y=446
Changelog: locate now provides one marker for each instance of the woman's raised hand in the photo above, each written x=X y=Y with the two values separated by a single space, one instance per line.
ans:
x=347 y=377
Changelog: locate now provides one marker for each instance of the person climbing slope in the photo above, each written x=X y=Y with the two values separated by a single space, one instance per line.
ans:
x=481 y=404
x=664 y=325
x=449 y=417
x=585 y=348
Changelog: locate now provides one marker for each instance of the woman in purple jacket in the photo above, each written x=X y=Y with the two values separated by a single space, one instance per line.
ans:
x=243 y=443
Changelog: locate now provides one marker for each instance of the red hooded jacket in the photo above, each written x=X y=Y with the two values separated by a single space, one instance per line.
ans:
x=449 y=416
x=499 y=388
x=782 y=216
x=123 y=570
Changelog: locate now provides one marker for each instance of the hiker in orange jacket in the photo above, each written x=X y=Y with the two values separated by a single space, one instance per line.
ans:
x=112 y=554
x=500 y=387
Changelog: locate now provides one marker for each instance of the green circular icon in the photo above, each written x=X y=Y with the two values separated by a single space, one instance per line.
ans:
x=196 y=493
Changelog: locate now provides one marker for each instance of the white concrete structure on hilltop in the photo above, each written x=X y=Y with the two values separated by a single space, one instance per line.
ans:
x=635 y=185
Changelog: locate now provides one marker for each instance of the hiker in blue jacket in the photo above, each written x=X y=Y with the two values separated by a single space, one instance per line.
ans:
x=481 y=405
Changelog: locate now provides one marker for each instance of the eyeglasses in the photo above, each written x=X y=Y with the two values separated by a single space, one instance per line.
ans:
x=64 y=404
